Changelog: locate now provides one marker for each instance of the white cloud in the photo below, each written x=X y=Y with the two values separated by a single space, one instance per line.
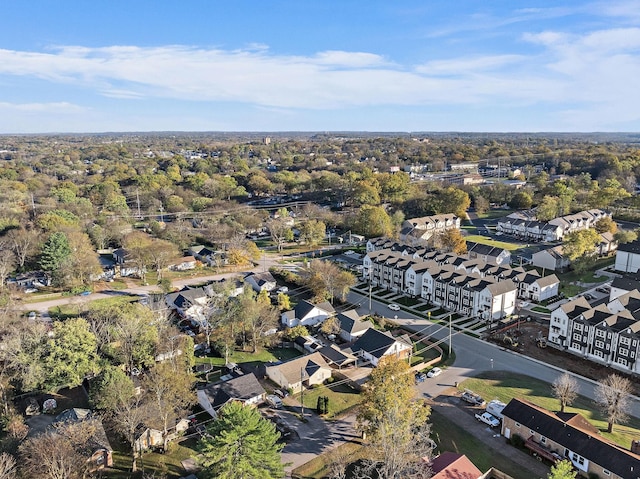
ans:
x=55 y=107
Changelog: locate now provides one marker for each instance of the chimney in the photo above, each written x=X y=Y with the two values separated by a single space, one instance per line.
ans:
x=635 y=447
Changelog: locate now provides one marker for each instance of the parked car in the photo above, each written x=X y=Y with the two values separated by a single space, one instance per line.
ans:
x=472 y=398
x=434 y=372
x=394 y=307
x=274 y=401
x=604 y=289
x=488 y=419
x=32 y=315
x=420 y=377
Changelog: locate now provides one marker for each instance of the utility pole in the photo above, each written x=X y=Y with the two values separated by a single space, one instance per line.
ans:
x=450 y=337
x=302 y=393
x=138 y=203
x=370 y=288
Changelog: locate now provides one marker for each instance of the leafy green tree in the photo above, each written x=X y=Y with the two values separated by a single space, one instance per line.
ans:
x=292 y=333
x=284 y=302
x=72 y=354
x=312 y=232
x=394 y=424
x=562 y=470
x=521 y=201
x=548 y=209
x=625 y=236
x=454 y=200
x=394 y=186
x=580 y=248
x=241 y=444
x=110 y=385
x=372 y=221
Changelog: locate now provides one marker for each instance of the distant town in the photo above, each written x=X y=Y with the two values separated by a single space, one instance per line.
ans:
x=320 y=305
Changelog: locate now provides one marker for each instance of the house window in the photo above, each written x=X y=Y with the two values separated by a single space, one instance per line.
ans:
x=543 y=440
x=599 y=333
x=598 y=354
x=600 y=344
x=517 y=424
x=623 y=352
x=606 y=473
x=624 y=340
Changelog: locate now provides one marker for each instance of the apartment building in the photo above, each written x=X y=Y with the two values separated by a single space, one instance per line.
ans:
x=420 y=230
x=525 y=225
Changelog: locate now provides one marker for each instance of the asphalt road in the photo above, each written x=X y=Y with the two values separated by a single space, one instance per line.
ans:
x=474 y=356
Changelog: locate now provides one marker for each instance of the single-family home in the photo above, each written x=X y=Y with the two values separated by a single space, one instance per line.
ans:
x=373 y=345
x=555 y=436
x=337 y=357
x=488 y=254
x=628 y=257
x=245 y=388
x=184 y=264
x=351 y=327
x=101 y=450
x=124 y=265
x=452 y=465
x=189 y=302
x=261 y=281
x=300 y=372
x=551 y=259
x=308 y=314
x=147 y=437
x=624 y=284
x=543 y=288
x=209 y=256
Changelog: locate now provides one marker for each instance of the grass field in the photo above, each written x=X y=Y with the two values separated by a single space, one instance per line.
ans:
x=505 y=386
x=72 y=310
x=342 y=398
x=488 y=241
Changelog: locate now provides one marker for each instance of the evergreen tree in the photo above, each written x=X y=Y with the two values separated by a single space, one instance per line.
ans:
x=241 y=444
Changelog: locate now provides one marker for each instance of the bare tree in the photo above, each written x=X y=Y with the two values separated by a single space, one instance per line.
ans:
x=7 y=262
x=7 y=466
x=127 y=414
x=23 y=243
x=59 y=453
x=565 y=389
x=613 y=397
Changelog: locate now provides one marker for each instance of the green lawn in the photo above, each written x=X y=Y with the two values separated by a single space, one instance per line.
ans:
x=587 y=276
x=342 y=397
x=244 y=357
x=75 y=309
x=451 y=437
x=492 y=214
x=488 y=241
x=505 y=386
x=168 y=464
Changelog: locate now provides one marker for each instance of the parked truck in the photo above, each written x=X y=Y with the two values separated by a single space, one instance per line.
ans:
x=495 y=407
x=488 y=419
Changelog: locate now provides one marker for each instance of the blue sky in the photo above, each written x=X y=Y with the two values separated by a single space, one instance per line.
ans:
x=326 y=65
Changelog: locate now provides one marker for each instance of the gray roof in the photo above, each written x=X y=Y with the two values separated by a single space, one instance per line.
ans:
x=633 y=247
x=571 y=432
x=375 y=342
x=350 y=322
x=241 y=388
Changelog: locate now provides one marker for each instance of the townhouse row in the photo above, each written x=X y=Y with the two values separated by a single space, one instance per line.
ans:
x=526 y=226
x=607 y=333
x=471 y=287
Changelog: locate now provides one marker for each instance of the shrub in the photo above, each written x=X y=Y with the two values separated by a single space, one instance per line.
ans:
x=517 y=441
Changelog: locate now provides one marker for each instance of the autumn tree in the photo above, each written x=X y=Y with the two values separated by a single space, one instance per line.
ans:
x=284 y=302
x=7 y=466
x=613 y=395
x=562 y=470
x=8 y=262
x=161 y=253
x=241 y=444
x=606 y=225
x=169 y=386
x=312 y=232
x=625 y=236
x=580 y=247
x=61 y=452
x=395 y=425
x=521 y=201
x=126 y=414
x=331 y=325
x=280 y=228
x=328 y=281
x=565 y=389
x=454 y=200
x=138 y=247
x=452 y=240
x=258 y=317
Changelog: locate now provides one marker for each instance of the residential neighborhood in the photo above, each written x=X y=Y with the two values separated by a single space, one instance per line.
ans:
x=151 y=344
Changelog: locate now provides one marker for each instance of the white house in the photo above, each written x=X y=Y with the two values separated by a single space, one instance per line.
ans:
x=544 y=288
x=307 y=314
x=261 y=281
x=350 y=325
x=551 y=259
x=373 y=345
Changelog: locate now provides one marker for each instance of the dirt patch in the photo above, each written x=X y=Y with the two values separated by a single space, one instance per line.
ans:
x=526 y=335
